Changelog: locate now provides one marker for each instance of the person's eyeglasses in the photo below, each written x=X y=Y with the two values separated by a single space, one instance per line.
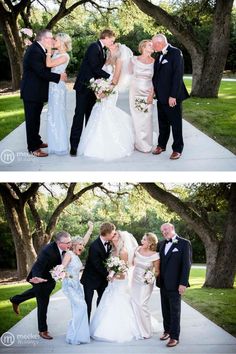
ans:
x=66 y=243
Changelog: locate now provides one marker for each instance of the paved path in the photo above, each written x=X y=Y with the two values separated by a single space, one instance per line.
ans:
x=198 y=334
x=201 y=153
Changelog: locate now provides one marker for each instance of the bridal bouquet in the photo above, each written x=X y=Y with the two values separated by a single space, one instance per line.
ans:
x=59 y=272
x=101 y=86
x=149 y=277
x=141 y=104
x=115 y=265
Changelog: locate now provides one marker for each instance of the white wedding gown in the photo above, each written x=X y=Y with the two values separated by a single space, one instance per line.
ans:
x=114 y=319
x=109 y=133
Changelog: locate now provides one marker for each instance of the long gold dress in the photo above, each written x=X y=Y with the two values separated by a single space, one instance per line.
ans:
x=140 y=86
x=141 y=292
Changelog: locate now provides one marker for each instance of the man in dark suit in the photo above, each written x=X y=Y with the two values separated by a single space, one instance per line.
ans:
x=91 y=67
x=175 y=263
x=95 y=273
x=170 y=92
x=42 y=281
x=34 y=89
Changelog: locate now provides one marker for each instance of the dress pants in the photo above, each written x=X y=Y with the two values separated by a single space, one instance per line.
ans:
x=170 y=117
x=171 y=308
x=32 y=120
x=88 y=295
x=84 y=104
x=42 y=293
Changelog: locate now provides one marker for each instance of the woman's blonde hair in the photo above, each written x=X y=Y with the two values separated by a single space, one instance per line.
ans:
x=142 y=45
x=65 y=39
x=152 y=240
x=77 y=240
x=120 y=243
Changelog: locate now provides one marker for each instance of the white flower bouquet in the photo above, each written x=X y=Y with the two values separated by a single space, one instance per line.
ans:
x=115 y=265
x=149 y=276
x=141 y=104
x=59 y=272
x=27 y=35
x=101 y=87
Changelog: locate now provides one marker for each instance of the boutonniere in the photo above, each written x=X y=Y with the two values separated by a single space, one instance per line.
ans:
x=175 y=241
x=165 y=52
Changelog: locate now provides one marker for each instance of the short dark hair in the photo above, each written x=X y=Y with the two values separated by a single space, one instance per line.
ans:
x=107 y=33
x=42 y=33
x=106 y=228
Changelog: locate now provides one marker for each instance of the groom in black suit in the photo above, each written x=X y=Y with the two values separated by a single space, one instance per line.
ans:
x=91 y=67
x=170 y=92
x=175 y=263
x=95 y=274
x=42 y=281
x=34 y=88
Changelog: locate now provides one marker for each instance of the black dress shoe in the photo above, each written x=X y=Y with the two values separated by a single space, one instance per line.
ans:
x=73 y=152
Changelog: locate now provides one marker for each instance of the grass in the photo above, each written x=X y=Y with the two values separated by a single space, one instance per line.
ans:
x=216 y=117
x=11 y=114
x=8 y=317
x=219 y=305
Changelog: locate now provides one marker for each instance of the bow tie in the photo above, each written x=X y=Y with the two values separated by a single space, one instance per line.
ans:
x=106 y=243
x=167 y=241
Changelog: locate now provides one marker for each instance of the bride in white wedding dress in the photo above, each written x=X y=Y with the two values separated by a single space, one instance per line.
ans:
x=109 y=133
x=114 y=319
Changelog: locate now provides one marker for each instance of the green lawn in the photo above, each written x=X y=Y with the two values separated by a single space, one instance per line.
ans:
x=8 y=317
x=219 y=305
x=11 y=114
x=215 y=116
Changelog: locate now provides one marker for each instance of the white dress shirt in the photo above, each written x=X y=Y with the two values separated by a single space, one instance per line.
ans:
x=169 y=244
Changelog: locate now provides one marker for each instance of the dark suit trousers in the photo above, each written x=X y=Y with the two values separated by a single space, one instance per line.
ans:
x=170 y=117
x=88 y=295
x=171 y=308
x=42 y=293
x=84 y=104
x=32 y=120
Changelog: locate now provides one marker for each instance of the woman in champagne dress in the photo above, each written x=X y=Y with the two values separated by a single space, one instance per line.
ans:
x=57 y=125
x=142 y=88
x=145 y=258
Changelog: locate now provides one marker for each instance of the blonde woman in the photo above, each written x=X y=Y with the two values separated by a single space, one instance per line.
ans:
x=146 y=259
x=114 y=319
x=78 y=329
x=142 y=89
x=109 y=132
x=57 y=125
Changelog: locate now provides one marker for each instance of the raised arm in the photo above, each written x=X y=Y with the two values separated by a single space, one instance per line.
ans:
x=88 y=233
x=117 y=71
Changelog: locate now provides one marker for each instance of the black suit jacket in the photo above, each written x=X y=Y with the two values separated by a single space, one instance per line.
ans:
x=91 y=67
x=168 y=76
x=95 y=273
x=36 y=76
x=48 y=258
x=175 y=266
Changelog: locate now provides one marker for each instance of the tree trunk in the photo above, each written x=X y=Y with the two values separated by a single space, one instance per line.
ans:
x=222 y=274
x=207 y=67
x=9 y=29
x=216 y=55
x=220 y=255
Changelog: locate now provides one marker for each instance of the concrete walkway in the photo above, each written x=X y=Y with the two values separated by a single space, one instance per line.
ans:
x=198 y=334
x=201 y=153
